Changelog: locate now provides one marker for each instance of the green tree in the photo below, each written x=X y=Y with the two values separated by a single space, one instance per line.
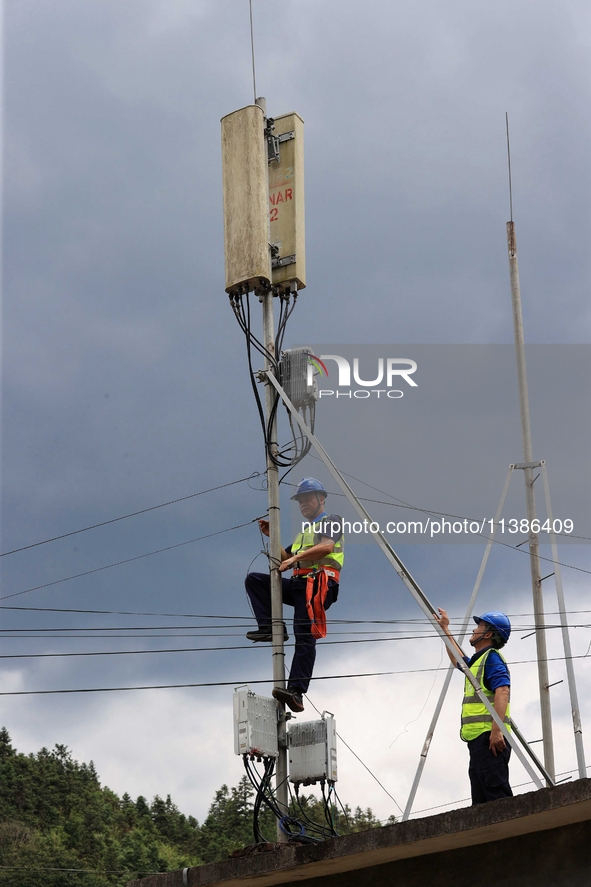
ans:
x=54 y=814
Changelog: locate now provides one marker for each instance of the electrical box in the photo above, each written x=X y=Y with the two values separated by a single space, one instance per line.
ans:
x=312 y=748
x=246 y=217
x=286 y=202
x=255 y=724
x=297 y=376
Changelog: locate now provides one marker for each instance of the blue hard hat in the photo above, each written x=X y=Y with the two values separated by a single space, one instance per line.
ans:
x=309 y=485
x=496 y=620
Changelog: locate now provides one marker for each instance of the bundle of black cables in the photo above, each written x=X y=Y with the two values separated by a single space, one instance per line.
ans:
x=289 y=825
x=290 y=454
x=322 y=831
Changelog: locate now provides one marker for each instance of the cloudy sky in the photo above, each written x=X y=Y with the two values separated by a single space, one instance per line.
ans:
x=124 y=371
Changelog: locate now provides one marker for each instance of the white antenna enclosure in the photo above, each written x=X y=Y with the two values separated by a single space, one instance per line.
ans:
x=245 y=187
x=255 y=724
x=313 y=750
x=286 y=203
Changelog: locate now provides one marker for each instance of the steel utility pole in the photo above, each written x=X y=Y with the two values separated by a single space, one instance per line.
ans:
x=274 y=561
x=534 y=560
x=278 y=651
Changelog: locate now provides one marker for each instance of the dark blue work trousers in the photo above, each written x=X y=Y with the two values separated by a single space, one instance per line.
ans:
x=258 y=589
x=489 y=775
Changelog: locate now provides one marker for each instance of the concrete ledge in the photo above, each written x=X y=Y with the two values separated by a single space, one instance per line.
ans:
x=497 y=821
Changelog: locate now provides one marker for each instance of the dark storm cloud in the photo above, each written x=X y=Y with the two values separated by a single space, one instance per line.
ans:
x=124 y=380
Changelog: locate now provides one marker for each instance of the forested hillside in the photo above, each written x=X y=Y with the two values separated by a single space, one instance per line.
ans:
x=55 y=816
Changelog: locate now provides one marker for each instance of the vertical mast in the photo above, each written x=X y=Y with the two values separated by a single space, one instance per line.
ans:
x=278 y=651
x=536 y=583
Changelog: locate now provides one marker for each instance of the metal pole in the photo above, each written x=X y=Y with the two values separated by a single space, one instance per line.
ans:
x=278 y=652
x=531 y=753
x=570 y=670
x=274 y=561
x=534 y=561
x=452 y=668
x=411 y=584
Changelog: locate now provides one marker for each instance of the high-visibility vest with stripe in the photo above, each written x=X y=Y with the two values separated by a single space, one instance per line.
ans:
x=307 y=539
x=475 y=715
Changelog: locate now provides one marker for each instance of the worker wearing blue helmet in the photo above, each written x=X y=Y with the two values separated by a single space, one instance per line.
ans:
x=316 y=558
x=489 y=753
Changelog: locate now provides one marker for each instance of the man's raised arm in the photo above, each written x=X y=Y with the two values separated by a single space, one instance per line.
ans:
x=443 y=620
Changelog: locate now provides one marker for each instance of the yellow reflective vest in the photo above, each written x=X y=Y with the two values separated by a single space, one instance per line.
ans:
x=310 y=537
x=475 y=716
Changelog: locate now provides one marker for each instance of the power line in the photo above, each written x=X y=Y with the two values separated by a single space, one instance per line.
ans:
x=132 y=514
x=229 y=529
x=47 y=632
x=137 y=628
x=242 y=682
x=120 y=612
x=189 y=649
x=407 y=621
x=128 y=560
x=218 y=649
x=234 y=683
x=401 y=503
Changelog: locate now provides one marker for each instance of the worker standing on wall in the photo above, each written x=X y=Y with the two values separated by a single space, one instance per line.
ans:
x=489 y=753
x=316 y=556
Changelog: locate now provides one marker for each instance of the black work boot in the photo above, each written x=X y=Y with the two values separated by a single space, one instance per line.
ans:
x=265 y=634
x=291 y=697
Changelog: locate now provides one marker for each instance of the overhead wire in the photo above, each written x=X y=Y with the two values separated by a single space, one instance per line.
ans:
x=242 y=682
x=409 y=620
x=114 y=520
x=128 y=560
x=48 y=632
x=239 y=526
x=217 y=649
x=482 y=535
x=402 y=503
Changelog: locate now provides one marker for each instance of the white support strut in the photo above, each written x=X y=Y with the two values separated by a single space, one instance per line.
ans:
x=568 y=656
x=410 y=583
x=451 y=669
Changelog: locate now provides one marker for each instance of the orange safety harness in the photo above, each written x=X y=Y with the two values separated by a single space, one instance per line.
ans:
x=316 y=591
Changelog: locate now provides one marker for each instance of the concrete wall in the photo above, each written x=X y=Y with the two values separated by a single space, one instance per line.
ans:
x=556 y=858
x=539 y=839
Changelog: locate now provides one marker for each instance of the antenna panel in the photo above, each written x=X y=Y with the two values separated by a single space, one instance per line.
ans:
x=246 y=219
x=286 y=203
